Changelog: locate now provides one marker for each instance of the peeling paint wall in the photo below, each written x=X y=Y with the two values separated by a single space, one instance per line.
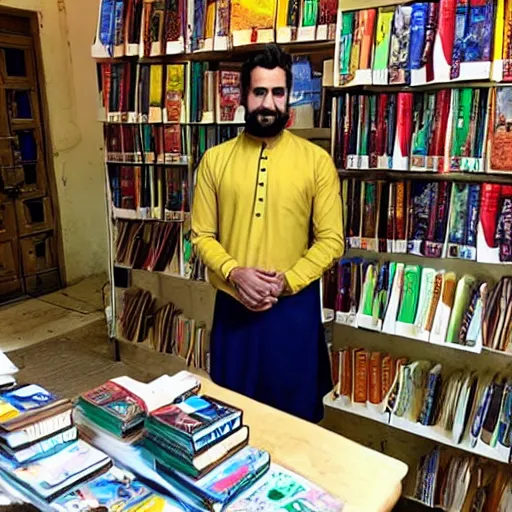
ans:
x=67 y=28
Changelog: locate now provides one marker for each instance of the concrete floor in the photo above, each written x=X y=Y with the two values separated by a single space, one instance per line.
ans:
x=35 y=320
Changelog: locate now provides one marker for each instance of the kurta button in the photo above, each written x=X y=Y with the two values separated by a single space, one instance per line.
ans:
x=263 y=170
x=261 y=184
x=258 y=215
x=260 y=199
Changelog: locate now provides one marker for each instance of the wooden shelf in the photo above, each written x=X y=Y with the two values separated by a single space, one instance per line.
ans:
x=434 y=86
x=238 y=53
x=464 y=177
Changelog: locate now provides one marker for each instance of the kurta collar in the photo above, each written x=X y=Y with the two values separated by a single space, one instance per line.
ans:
x=272 y=144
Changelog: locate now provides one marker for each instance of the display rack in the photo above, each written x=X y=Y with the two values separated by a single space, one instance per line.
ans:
x=366 y=78
x=183 y=281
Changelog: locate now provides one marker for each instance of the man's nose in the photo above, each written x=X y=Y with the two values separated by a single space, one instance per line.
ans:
x=268 y=101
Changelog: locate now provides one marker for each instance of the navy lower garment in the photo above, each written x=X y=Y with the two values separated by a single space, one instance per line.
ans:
x=278 y=357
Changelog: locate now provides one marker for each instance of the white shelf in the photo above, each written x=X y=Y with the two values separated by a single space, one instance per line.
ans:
x=474 y=350
x=499 y=453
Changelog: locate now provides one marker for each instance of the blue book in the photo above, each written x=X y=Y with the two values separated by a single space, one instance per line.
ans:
x=223 y=484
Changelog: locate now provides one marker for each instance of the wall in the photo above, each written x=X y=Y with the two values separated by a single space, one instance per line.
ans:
x=67 y=28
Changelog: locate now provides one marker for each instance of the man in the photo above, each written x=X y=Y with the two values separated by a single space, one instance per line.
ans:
x=256 y=199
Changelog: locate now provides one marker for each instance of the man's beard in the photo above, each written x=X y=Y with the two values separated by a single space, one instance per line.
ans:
x=272 y=122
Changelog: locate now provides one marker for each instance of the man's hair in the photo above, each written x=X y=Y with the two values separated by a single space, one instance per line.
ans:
x=272 y=56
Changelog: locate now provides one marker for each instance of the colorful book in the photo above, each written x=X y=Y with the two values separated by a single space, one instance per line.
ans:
x=195 y=423
x=282 y=489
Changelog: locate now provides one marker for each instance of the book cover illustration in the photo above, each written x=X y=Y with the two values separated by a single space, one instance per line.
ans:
x=463 y=221
x=49 y=476
x=443 y=44
x=283 y=490
x=116 y=401
x=222 y=25
x=229 y=97
x=500 y=136
x=116 y=490
x=308 y=20
x=194 y=413
x=399 y=67
x=474 y=25
x=326 y=29
x=252 y=21
x=494 y=244
x=423 y=32
x=470 y=112
x=382 y=45
x=24 y=399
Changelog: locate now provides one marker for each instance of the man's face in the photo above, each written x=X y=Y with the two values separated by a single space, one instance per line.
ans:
x=267 y=102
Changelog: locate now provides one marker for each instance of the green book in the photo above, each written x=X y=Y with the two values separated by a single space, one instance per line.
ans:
x=410 y=294
x=463 y=294
x=347 y=24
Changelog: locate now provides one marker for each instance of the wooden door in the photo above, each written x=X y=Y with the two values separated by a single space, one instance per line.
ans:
x=28 y=238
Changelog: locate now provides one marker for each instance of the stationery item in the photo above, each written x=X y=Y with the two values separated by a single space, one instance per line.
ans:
x=281 y=489
x=349 y=291
x=225 y=483
x=287 y=20
x=50 y=477
x=382 y=45
x=496 y=329
x=308 y=20
x=501 y=66
x=109 y=38
x=444 y=309
x=471 y=330
x=493 y=239
x=345 y=47
x=229 y=107
x=463 y=221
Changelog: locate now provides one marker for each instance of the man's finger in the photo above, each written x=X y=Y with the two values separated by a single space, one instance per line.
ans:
x=247 y=300
x=269 y=273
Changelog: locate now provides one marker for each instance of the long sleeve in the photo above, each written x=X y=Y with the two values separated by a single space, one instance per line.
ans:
x=205 y=224
x=329 y=243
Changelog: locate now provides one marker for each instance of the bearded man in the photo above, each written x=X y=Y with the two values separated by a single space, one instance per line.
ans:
x=267 y=222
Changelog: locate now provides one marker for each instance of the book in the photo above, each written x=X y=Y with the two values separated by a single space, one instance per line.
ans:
x=282 y=489
x=226 y=482
x=195 y=423
x=117 y=489
x=50 y=477
x=121 y=405
x=27 y=404
x=198 y=465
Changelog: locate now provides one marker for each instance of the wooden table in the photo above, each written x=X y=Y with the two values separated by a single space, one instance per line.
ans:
x=364 y=479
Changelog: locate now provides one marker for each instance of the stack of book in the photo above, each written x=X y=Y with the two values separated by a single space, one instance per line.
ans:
x=40 y=453
x=119 y=407
x=164 y=329
x=200 y=444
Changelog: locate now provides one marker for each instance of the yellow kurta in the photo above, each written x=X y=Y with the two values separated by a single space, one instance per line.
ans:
x=254 y=206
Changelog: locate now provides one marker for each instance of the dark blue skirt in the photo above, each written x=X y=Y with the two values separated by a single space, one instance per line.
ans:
x=278 y=357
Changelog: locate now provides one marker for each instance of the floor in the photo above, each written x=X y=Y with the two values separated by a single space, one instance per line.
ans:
x=35 y=320
x=69 y=350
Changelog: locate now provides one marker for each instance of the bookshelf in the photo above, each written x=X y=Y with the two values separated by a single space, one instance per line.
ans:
x=168 y=89
x=410 y=116
x=173 y=116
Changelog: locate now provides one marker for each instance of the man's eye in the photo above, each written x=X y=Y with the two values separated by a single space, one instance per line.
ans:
x=260 y=92
x=279 y=92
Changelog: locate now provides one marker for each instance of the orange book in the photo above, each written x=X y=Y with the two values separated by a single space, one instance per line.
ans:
x=375 y=377
x=346 y=373
x=360 y=376
x=387 y=374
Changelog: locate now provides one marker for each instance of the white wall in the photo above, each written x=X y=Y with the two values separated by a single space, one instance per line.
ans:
x=67 y=28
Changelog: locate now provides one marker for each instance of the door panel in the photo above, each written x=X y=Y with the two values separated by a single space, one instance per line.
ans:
x=28 y=244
